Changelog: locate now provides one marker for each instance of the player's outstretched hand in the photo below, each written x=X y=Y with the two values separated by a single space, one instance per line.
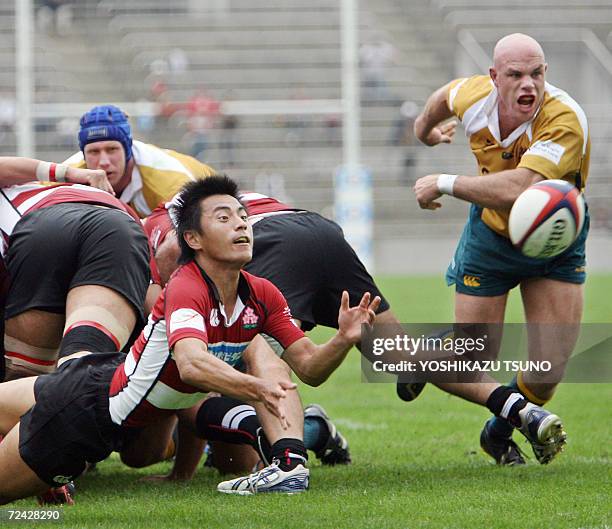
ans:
x=426 y=192
x=441 y=134
x=271 y=395
x=93 y=177
x=350 y=319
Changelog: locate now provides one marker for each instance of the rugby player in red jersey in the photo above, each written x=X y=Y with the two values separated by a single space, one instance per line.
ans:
x=196 y=336
x=67 y=243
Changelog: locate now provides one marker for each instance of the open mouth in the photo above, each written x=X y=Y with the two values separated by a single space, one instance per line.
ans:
x=526 y=101
x=242 y=240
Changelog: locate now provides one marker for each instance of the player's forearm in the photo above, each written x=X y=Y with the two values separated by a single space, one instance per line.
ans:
x=16 y=170
x=435 y=112
x=208 y=373
x=496 y=190
x=313 y=364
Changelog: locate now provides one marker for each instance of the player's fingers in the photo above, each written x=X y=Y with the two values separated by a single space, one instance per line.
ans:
x=287 y=385
x=451 y=125
x=430 y=205
x=344 y=302
x=365 y=301
x=375 y=304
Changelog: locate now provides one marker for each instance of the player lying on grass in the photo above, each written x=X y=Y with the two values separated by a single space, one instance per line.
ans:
x=196 y=336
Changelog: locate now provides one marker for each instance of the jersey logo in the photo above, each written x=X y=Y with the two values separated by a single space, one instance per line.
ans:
x=471 y=281
x=250 y=319
x=548 y=149
x=214 y=318
x=287 y=313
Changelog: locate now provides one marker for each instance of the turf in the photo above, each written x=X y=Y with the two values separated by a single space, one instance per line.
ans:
x=416 y=465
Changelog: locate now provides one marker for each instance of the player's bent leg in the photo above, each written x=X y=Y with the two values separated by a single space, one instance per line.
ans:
x=16 y=397
x=102 y=309
x=230 y=458
x=553 y=310
x=29 y=353
x=17 y=479
x=496 y=436
x=287 y=473
x=262 y=362
x=151 y=445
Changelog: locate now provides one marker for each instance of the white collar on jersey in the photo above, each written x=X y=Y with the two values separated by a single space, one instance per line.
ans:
x=244 y=292
x=238 y=308
x=491 y=109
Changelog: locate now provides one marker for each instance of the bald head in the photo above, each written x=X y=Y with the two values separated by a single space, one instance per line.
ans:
x=516 y=47
x=519 y=74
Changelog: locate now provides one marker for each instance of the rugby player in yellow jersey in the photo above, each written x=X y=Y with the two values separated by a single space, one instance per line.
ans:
x=142 y=175
x=521 y=130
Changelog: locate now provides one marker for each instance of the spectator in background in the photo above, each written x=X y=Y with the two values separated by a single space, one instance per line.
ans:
x=54 y=16
x=7 y=115
x=403 y=134
x=178 y=61
x=229 y=126
x=375 y=57
x=202 y=111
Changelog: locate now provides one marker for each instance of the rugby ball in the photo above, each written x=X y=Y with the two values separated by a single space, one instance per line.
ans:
x=546 y=218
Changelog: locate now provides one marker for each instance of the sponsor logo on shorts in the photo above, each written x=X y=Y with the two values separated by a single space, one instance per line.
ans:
x=249 y=319
x=471 y=281
x=63 y=479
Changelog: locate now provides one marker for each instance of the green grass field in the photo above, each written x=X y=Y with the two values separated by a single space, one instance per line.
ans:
x=415 y=465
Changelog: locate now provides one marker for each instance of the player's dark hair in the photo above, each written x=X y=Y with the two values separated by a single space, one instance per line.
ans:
x=187 y=210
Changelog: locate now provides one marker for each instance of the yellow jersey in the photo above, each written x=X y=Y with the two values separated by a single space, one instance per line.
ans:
x=157 y=176
x=555 y=143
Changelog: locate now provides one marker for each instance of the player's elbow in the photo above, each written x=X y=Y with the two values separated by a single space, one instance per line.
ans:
x=188 y=372
x=310 y=376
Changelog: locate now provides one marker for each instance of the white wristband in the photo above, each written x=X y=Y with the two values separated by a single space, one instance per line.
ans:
x=446 y=183
x=42 y=171
x=51 y=172
x=60 y=172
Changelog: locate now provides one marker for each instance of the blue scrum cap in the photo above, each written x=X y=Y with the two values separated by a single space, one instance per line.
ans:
x=106 y=123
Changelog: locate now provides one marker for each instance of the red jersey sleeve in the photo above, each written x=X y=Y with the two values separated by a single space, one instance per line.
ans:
x=157 y=225
x=278 y=323
x=186 y=307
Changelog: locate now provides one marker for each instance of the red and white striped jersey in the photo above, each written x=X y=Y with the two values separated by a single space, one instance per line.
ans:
x=148 y=384
x=19 y=200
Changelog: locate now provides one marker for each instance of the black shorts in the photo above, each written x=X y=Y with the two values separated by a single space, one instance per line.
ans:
x=57 y=248
x=70 y=423
x=307 y=257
